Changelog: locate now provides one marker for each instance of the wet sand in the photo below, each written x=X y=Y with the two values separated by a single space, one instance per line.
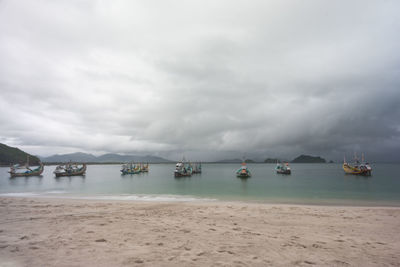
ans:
x=65 y=232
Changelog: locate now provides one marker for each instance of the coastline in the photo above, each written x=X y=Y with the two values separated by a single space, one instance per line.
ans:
x=93 y=232
x=166 y=198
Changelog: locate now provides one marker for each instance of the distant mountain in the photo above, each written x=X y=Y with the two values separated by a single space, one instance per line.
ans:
x=84 y=157
x=76 y=157
x=308 y=159
x=126 y=158
x=12 y=155
x=269 y=160
x=249 y=161
x=230 y=161
x=114 y=158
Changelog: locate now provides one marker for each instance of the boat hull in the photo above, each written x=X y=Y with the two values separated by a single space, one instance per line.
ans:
x=131 y=172
x=81 y=172
x=70 y=174
x=243 y=172
x=284 y=171
x=348 y=169
x=180 y=174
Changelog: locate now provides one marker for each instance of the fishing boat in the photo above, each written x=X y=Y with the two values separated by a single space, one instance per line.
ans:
x=197 y=167
x=70 y=169
x=283 y=168
x=144 y=167
x=183 y=169
x=23 y=171
x=131 y=168
x=243 y=172
x=357 y=168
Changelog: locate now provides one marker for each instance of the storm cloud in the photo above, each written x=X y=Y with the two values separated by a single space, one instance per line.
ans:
x=208 y=79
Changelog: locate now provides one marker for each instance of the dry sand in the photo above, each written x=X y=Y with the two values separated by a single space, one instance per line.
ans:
x=62 y=232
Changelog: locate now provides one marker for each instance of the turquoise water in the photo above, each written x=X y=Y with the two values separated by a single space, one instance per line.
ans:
x=308 y=183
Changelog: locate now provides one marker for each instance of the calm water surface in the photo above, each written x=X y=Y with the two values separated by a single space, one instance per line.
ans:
x=308 y=183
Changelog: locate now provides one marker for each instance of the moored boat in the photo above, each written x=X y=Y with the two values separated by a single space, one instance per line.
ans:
x=243 y=171
x=283 y=168
x=144 y=167
x=70 y=169
x=183 y=169
x=131 y=168
x=357 y=168
x=197 y=167
x=24 y=171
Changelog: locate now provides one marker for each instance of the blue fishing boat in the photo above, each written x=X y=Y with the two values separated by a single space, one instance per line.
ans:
x=130 y=168
x=243 y=172
x=283 y=168
x=70 y=169
x=183 y=169
x=26 y=170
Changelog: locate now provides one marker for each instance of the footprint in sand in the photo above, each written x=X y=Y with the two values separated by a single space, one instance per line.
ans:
x=129 y=261
x=16 y=249
x=339 y=263
x=310 y=262
x=316 y=246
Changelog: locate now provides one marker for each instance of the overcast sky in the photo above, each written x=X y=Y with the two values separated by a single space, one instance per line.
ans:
x=205 y=79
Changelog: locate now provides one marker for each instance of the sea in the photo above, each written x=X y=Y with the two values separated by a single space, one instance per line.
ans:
x=315 y=184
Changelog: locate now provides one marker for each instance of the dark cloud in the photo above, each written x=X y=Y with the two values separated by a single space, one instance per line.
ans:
x=205 y=79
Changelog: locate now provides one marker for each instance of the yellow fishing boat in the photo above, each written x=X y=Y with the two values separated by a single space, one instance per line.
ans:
x=351 y=169
x=357 y=168
x=144 y=167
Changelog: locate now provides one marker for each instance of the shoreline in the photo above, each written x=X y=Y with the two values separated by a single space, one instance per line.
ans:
x=81 y=232
x=166 y=198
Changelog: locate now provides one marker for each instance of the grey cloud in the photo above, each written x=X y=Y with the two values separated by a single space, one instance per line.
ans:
x=207 y=79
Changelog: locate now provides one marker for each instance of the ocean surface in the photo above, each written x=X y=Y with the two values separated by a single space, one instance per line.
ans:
x=324 y=184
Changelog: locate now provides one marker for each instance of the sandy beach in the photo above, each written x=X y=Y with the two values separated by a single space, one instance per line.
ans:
x=66 y=232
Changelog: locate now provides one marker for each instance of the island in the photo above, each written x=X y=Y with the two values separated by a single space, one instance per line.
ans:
x=308 y=159
x=271 y=160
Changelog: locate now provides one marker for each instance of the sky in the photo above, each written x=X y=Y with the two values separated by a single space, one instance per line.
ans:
x=207 y=80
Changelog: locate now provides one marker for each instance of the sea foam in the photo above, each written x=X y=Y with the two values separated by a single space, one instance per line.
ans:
x=126 y=197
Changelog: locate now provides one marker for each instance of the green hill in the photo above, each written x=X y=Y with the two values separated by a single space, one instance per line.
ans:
x=12 y=155
x=84 y=157
x=269 y=160
x=308 y=159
